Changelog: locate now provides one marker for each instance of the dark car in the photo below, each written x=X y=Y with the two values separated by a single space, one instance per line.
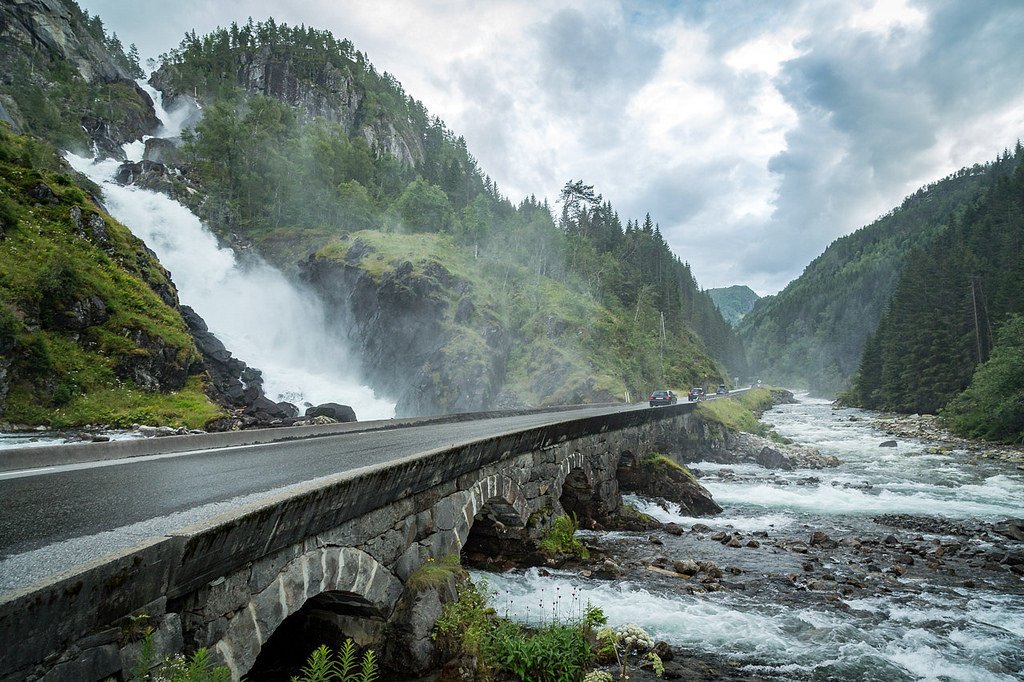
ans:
x=722 y=390
x=696 y=393
x=663 y=398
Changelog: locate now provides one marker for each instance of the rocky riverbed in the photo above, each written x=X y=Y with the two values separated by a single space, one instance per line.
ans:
x=894 y=563
x=929 y=427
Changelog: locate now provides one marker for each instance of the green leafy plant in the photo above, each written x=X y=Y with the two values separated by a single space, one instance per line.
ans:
x=556 y=651
x=323 y=666
x=561 y=538
x=197 y=668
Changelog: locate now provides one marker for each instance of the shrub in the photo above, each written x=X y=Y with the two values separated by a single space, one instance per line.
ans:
x=561 y=538
x=554 y=652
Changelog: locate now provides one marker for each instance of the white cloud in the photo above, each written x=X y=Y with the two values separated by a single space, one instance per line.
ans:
x=754 y=134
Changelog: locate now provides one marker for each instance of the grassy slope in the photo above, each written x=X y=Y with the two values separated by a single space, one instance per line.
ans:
x=65 y=378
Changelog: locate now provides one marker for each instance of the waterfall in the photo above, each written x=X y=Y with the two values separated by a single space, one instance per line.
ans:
x=264 y=319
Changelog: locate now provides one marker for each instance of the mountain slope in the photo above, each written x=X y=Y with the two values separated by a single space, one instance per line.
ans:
x=811 y=334
x=66 y=81
x=951 y=300
x=304 y=145
x=90 y=330
x=734 y=302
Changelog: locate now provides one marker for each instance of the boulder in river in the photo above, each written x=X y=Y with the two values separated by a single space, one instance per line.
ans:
x=339 y=413
x=887 y=444
x=660 y=476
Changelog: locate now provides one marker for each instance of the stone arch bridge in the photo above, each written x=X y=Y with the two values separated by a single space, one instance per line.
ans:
x=336 y=553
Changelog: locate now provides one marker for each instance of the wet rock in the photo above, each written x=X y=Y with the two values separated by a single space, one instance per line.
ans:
x=659 y=476
x=821 y=539
x=1011 y=528
x=770 y=458
x=686 y=567
x=887 y=444
x=339 y=413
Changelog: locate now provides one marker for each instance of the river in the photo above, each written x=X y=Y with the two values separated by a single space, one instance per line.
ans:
x=850 y=607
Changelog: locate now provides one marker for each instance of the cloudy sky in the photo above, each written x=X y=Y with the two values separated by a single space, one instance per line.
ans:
x=754 y=133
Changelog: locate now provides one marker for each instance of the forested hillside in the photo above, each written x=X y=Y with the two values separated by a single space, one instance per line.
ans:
x=952 y=309
x=734 y=302
x=811 y=334
x=303 y=142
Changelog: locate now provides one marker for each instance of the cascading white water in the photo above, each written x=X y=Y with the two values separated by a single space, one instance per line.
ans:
x=264 y=319
x=919 y=629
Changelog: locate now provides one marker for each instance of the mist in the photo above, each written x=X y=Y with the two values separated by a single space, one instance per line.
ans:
x=264 y=319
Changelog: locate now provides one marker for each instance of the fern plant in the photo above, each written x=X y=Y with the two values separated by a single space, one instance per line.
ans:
x=323 y=666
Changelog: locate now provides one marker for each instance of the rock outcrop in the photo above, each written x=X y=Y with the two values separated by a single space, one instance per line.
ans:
x=403 y=328
x=48 y=34
x=235 y=384
x=659 y=476
x=322 y=91
x=50 y=25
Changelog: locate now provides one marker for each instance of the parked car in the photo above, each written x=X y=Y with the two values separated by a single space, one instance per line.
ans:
x=722 y=390
x=696 y=393
x=663 y=397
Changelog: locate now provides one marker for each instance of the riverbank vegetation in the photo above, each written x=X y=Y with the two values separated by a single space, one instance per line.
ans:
x=740 y=412
x=559 y=646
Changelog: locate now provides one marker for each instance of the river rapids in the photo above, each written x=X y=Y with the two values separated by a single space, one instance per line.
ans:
x=883 y=598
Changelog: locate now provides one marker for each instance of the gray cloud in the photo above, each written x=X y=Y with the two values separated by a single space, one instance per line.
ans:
x=754 y=133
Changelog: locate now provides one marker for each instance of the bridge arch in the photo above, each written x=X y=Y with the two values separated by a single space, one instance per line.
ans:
x=495 y=518
x=345 y=582
x=576 y=488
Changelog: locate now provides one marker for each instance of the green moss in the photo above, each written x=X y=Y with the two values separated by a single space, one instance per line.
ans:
x=657 y=460
x=436 y=573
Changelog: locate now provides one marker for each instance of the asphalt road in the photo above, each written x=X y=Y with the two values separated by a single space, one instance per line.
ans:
x=66 y=514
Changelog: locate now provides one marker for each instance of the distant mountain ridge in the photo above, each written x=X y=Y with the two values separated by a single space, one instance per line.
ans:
x=734 y=302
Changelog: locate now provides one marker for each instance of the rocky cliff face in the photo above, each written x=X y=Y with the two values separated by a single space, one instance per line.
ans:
x=434 y=356
x=51 y=26
x=39 y=40
x=326 y=92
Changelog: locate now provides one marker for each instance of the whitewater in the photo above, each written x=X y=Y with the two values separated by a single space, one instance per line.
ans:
x=918 y=629
x=265 y=319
